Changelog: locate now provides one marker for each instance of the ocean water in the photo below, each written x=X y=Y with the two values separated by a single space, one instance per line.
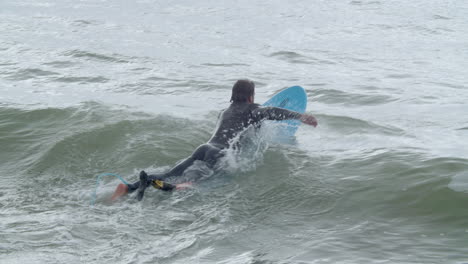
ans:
x=96 y=86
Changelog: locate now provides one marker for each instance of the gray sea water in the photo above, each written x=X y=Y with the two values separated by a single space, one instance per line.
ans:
x=95 y=86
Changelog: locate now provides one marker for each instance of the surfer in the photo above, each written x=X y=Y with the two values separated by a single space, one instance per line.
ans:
x=242 y=113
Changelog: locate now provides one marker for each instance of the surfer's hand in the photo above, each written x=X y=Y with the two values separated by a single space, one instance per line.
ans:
x=309 y=120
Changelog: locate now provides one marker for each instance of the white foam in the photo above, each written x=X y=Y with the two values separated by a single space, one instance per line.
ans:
x=459 y=182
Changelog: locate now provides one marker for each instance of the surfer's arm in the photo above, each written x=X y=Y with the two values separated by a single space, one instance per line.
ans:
x=276 y=113
x=309 y=120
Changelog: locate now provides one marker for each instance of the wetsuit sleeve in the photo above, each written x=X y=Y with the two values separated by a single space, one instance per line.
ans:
x=274 y=113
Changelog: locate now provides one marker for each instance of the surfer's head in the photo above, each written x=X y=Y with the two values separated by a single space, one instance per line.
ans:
x=243 y=91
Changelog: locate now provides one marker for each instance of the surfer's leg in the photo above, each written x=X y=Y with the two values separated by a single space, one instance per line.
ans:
x=157 y=180
x=178 y=170
x=162 y=176
x=212 y=155
x=205 y=152
x=133 y=186
x=144 y=183
x=123 y=189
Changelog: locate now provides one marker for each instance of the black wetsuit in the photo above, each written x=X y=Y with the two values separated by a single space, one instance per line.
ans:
x=233 y=121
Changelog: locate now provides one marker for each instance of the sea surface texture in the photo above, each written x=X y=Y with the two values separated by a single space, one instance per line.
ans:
x=113 y=86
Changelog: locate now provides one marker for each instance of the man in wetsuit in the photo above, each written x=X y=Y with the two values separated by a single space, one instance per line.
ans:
x=242 y=113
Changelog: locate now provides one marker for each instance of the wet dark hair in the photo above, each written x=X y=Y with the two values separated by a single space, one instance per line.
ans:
x=242 y=90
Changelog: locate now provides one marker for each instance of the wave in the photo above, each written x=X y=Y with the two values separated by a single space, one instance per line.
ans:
x=29 y=73
x=78 y=139
x=75 y=144
x=395 y=184
x=332 y=96
x=82 y=54
x=297 y=58
x=348 y=125
x=284 y=190
x=82 y=79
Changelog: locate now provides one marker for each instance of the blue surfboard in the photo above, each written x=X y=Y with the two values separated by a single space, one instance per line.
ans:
x=293 y=98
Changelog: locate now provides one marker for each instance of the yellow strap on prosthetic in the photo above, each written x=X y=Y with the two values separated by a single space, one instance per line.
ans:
x=158 y=184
